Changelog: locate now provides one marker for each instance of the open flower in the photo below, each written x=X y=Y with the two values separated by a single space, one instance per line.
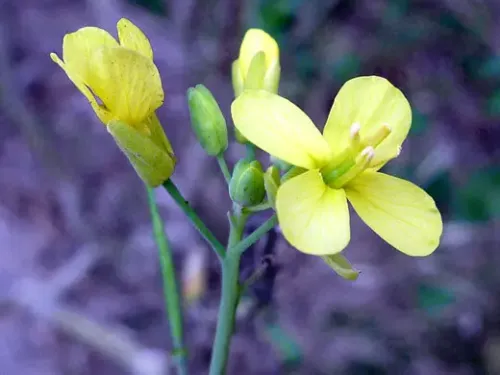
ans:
x=258 y=66
x=123 y=86
x=367 y=124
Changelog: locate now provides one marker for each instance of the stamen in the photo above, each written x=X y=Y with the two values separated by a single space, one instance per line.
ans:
x=355 y=139
x=378 y=136
x=361 y=164
x=367 y=154
x=354 y=131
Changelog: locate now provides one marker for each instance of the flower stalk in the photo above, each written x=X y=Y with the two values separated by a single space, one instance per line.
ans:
x=170 y=289
x=194 y=218
x=230 y=267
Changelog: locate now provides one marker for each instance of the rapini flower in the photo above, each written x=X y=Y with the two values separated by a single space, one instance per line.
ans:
x=123 y=86
x=367 y=124
x=258 y=66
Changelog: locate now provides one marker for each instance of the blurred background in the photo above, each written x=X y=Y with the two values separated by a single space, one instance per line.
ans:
x=80 y=288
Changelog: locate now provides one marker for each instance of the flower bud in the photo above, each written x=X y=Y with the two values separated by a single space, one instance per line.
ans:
x=272 y=183
x=341 y=266
x=207 y=120
x=247 y=183
x=258 y=65
x=151 y=157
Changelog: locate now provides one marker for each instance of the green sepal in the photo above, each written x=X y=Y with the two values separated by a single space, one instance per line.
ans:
x=341 y=266
x=153 y=164
x=272 y=183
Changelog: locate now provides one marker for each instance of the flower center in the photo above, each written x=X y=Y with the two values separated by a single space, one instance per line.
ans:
x=355 y=158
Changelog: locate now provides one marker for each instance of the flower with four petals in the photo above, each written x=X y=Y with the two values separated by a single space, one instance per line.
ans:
x=368 y=122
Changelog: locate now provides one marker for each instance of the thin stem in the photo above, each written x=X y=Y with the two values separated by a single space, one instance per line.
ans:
x=194 y=218
x=229 y=297
x=223 y=167
x=170 y=290
x=254 y=236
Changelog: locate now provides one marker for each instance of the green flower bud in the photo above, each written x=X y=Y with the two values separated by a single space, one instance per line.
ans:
x=207 y=120
x=272 y=183
x=150 y=154
x=341 y=266
x=247 y=183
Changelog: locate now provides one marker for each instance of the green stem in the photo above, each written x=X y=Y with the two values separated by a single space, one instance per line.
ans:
x=229 y=297
x=171 y=294
x=194 y=218
x=223 y=167
x=250 y=151
x=254 y=236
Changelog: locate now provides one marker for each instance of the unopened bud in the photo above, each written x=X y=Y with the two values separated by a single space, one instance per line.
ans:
x=207 y=120
x=247 y=183
x=272 y=183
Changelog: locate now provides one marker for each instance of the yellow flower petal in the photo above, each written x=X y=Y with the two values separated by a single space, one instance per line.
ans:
x=101 y=112
x=237 y=78
x=127 y=82
x=79 y=46
x=254 y=41
x=280 y=128
x=371 y=102
x=398 y=211
x=313 y=217
x=256 y=72
x=133 y=38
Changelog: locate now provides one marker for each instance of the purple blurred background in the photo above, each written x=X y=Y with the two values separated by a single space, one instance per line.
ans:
x=80 y=283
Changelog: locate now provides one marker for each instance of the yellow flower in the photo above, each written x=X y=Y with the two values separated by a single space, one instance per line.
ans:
x=368 y=122
x=123 y=86
x=258 y=66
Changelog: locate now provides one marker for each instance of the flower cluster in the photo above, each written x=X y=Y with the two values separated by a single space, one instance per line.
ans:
x=366 y=127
